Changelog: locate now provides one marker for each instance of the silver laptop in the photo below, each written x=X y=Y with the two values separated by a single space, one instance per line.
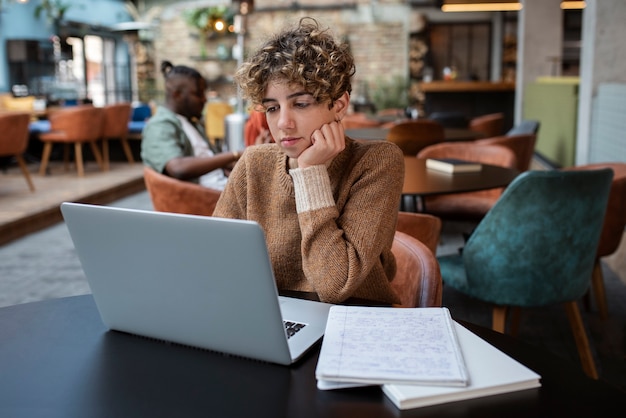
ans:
x=194 y=280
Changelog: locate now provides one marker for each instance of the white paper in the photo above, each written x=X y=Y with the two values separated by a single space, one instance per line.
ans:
x=391 y=345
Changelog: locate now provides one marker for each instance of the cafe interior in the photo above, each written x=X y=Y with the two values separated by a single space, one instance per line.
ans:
x=527 y=89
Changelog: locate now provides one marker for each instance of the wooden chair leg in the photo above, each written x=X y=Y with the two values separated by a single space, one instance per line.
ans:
x=45 y=157
x=105 y=154
x=78 y=150
x=498 y=320
x=580 y=336
x=97 y=155
x=597 y=281
x=24 y=168
x=127 y=151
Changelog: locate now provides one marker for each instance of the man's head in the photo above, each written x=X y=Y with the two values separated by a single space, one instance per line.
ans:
x=184 y=90
x=306 y=56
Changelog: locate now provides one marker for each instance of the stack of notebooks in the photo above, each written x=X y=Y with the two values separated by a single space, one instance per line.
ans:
x=419 y=356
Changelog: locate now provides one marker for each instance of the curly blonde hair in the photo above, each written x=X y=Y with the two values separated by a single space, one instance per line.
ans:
x=305 y=55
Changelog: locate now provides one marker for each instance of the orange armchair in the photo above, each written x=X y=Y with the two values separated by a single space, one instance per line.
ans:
x=522 y=145
x=115 y=126
x=489 y=125
x=418 y=278
x=470 y=206
x=73 y=125
x=14 y=140
x=414 y=135
x=172 y=195
x=612 y=229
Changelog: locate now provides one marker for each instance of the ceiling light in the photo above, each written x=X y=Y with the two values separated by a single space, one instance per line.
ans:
x=573 y=5
x=496 y=6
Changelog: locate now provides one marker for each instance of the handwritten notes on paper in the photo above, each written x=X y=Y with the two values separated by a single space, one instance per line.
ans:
x=375 y=345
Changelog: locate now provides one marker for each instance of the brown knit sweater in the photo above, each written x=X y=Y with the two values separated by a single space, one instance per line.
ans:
x=329 y=230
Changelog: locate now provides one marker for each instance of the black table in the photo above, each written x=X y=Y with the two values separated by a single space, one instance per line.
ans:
x=58 y=360
x=379 y=133
x=420 y=181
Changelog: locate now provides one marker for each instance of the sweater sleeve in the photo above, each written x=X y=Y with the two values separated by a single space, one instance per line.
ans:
x=346 y=247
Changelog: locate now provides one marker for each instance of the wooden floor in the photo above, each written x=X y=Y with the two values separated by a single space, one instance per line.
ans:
x=23 y=211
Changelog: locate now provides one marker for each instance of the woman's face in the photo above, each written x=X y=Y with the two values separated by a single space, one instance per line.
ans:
x=292 y=115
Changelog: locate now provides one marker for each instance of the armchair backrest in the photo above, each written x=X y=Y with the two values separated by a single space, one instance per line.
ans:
x=523 y=145
x=414 y=135
x=615 y=217
x=472 y=151
x=13 y=133
x=489 y=125
x=115 y=121
x=418 y=278
x=172 y=195
x=537 y=244
x=78 y=123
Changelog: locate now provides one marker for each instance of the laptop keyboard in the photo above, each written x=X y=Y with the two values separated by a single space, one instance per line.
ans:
x=292 y=327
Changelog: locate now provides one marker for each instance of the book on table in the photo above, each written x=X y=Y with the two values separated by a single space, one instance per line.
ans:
x=420 y=357
x=453 y=165
x=491 y=371
x=377 y=345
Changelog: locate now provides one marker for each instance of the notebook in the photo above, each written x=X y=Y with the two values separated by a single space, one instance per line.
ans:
x=200 y=281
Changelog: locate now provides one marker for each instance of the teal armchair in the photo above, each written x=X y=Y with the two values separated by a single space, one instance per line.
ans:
x=536 y=247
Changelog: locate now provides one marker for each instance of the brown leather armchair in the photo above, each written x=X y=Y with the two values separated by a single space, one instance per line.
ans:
x=612 y=229
x=418 y=279
x=14 y=139
x=172 y=195
x=115 y=126
x=470 y=206
x=73 y=125
x=489 y=125
x=414 y=135
x=522 y=145
x=421 y=226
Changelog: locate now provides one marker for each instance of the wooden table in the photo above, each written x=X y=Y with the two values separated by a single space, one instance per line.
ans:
x=420 y=181
x=450 y=134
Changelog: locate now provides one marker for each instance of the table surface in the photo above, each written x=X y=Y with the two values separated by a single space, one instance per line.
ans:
x=58 y=360
x=378 y=133
x=422 y=181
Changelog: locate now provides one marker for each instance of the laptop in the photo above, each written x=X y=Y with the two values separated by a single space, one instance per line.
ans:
x=194 y=280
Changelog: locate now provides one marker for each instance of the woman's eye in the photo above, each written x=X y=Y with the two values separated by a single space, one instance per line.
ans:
x=301 y=105
x=270 y=109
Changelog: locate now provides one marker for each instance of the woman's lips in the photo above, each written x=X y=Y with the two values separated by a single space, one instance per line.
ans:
x=289 y=141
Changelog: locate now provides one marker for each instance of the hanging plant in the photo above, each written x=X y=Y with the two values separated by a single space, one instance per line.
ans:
x=53 y=9
x=209 y=22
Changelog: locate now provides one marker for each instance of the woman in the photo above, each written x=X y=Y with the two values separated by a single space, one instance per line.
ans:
x=327 y=204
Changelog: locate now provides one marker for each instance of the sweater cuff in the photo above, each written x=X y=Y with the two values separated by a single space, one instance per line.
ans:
x=312 y=188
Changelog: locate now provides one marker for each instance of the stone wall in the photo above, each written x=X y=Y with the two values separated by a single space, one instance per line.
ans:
x=378 y=33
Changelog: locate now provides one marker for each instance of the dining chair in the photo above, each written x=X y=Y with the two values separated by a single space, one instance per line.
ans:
x=414 y=135
x=612 y=229
x=535 y=248
x=115 y=127
x=172 y=195
x=523 y=145
x=73 y=125
x=14 y=140
x=489 y=125
x=418 y=279
x=468 y=206
x=424 y=227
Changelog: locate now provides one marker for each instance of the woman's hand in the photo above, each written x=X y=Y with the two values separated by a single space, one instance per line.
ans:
x=326 y=143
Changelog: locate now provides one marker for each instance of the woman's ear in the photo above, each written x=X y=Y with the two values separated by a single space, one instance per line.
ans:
x=341 y=105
